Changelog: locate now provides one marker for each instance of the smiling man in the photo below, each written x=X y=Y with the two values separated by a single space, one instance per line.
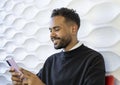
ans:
x=76 y=64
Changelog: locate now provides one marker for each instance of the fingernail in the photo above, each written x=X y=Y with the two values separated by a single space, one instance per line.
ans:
x=19 y=74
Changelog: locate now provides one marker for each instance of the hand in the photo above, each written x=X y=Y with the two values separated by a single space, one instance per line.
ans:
x=30 y=78
x=16 y=77
x=27 y=78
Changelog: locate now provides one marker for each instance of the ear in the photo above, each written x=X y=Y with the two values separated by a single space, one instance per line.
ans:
x=74 y=29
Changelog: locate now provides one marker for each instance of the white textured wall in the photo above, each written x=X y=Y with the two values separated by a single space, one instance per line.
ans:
x=24 y=32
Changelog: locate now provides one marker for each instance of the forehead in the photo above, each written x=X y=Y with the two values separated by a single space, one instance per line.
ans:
x=57 y=21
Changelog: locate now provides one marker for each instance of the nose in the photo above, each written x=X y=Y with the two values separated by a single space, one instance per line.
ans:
x=52 y=34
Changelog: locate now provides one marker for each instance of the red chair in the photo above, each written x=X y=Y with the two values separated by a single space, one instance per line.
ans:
x=109 y=80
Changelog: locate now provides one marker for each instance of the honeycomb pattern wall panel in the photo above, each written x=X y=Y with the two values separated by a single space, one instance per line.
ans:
x=24 y=32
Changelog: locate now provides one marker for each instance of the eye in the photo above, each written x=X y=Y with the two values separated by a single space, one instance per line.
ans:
x=50 y=29
x=57 y=29
x=54 y=29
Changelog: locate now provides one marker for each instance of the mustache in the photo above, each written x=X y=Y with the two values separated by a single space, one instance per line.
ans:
x=55 y=38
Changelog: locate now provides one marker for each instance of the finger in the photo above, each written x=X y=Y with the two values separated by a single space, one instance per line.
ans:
x=23 y=77
x=16 y=79
x=25 y=82
x=12 y=70
x=17 y=83
x=15 y=74
x=27 y=73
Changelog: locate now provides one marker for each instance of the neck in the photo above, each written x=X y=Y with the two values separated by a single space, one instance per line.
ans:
x=71 y=45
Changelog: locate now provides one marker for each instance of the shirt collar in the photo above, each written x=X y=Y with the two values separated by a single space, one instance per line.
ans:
x=76 y=46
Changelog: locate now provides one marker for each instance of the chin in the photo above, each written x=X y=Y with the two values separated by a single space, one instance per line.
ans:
x=57 y=47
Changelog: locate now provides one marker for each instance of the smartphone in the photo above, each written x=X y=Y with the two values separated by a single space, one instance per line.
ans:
x=13 y=64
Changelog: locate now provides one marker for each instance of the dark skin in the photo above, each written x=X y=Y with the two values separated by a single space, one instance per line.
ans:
x=27 y=78
x=63 y=35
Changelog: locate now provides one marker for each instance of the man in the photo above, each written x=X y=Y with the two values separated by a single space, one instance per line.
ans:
x=76 y=64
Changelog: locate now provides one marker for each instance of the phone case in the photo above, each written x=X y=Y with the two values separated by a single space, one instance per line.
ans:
x=13 y=64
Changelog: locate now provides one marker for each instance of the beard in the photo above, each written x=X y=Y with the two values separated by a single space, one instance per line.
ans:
x=61 y=42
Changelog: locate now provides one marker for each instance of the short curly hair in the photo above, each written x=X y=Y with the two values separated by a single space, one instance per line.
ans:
x=68 y=14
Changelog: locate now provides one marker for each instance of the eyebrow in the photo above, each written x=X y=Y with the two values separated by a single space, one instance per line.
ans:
x=54 y=27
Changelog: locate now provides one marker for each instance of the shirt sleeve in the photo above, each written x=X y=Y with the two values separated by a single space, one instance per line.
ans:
x=39 y=74
x=96 y=72
x=43 y=74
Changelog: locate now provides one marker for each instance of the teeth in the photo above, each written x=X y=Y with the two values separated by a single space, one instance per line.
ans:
x=54 y=41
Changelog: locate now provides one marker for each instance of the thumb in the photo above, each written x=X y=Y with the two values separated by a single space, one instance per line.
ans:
x=26 y=73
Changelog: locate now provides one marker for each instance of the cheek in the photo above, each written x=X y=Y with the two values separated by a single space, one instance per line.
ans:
x=60 y=34
x=63 y=33
x=66 y=36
